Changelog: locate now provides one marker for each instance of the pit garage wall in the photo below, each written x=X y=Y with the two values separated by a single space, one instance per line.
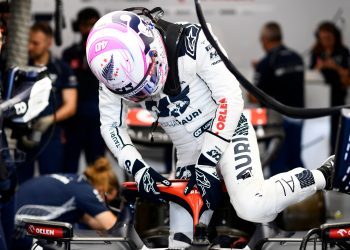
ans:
x=237 y=24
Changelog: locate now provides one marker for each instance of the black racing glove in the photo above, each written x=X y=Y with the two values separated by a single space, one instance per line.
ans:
x=208 y=184
x=146 y=179
x=204 y=174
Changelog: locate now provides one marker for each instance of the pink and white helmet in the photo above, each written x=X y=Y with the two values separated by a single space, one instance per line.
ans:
x=128 y=55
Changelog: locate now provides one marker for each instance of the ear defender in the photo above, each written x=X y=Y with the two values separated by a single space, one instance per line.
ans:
x=75 y=25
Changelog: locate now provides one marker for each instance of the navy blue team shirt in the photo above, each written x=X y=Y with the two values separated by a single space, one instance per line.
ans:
x=281 y=74
x=63 y=78
x=75 y=57
x=62 y=197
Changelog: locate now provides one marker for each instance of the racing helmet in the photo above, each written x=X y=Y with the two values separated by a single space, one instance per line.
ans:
x=128 y=55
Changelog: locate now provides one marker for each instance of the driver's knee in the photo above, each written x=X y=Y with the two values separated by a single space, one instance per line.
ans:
x=255 y=211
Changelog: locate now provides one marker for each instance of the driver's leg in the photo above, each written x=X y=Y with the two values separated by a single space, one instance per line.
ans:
x=181 y=229
x=181 y=222
x=254 y=198
x=181 y=225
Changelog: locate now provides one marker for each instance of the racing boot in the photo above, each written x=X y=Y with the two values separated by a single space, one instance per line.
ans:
x=327 y=169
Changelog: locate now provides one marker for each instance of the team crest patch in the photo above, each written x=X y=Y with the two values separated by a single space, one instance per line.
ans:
x=305 y=178
x=172 y=106
x=242 y=127
x=192 y=32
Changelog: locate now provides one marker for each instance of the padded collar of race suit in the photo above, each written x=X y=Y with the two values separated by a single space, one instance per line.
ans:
x=172 y=34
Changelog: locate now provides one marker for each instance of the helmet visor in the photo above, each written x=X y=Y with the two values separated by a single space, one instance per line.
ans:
x=147 y=86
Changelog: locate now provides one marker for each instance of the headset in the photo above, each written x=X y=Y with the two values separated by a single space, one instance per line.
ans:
x=75 y=26
x=330 y=27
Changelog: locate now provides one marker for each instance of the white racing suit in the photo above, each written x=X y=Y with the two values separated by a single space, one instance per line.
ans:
x=210 y=99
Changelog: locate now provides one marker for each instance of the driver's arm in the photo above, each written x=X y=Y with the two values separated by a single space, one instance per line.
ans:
x=113 y=114
x=90 y=202
x=69 y=106
x=226 y=93
x=69 y=94
x=102 y=221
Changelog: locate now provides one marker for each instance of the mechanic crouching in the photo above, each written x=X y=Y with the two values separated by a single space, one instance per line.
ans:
x=68 y=198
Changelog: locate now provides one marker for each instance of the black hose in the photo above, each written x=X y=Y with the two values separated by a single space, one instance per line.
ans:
x=272 y=150
x=265 y=99
x=59 y=22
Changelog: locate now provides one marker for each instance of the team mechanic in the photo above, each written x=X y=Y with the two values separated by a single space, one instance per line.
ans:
x=198 y=102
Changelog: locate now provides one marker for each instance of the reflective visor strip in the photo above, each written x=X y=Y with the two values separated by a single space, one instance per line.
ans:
x=145 y=88
x=149 y=84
